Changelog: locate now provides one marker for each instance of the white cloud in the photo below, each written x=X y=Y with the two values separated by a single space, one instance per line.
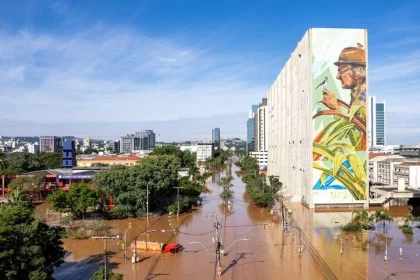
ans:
x=117 y=75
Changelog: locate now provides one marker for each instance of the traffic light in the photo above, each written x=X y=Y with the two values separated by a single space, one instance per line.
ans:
x=264 y=225
x=129 y=225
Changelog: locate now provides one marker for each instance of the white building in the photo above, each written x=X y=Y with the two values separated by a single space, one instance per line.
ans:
x=261 y=127
x=376 y=123
x=297 y=119
x=33 y=148
x=410 y=171
x=190 y=148
x=262 y=158
x=205 y=150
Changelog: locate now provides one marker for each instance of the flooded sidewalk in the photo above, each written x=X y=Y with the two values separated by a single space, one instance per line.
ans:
x=361 y=255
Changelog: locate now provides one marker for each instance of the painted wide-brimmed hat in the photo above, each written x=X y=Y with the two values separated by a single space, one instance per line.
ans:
x=352 y=55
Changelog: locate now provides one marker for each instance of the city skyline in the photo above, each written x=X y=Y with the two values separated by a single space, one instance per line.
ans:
x=171 y=69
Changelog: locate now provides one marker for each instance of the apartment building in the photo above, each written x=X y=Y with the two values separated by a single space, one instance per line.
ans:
x=205 y=150
x=50 y=144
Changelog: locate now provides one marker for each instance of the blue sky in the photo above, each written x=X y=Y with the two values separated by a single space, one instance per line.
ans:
x=105 y=65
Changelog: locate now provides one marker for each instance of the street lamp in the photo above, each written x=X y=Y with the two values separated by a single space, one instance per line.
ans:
x=386 y=246
x=125 y=241
x=242 y=239
x=197 y=242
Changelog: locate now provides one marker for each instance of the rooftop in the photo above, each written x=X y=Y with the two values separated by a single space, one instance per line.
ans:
x=374 y=155
x=132 y=157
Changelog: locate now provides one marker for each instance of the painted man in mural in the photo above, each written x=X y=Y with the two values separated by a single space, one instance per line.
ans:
x=337 y=143
x=352 y=74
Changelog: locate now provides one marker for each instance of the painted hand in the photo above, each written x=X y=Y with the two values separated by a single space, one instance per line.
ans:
x=330 y=100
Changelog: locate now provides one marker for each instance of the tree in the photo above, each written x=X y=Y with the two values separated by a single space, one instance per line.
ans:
x=89 y=151
x=77 y=200
x=30 y=185
x=51 y=160
x=99 y=275
x=29 y=249
x=80 y=198
x=186 y=158
x=99 y=164
x=25 y=162
x=98 y=226
x=382 y=216
x=128 y=185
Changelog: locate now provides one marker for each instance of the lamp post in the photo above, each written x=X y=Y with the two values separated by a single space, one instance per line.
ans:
x=386 y=246
x=125 y=241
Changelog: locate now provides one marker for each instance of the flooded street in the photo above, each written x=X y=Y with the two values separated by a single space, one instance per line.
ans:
x=268 y=254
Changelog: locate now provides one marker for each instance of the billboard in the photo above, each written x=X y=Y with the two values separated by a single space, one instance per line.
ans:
x=339 y=94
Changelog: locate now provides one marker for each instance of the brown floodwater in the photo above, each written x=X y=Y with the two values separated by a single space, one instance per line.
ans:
x=268 y=254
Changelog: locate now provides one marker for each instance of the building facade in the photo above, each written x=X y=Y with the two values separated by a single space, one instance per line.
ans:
x=127 y=160
x=316 y=113
x=69 y=154
x=127 y=144
x=215 y=136
x=262 y=158
x=250 y=130
x=261 y=127
x=50 y=144
x=205 y=151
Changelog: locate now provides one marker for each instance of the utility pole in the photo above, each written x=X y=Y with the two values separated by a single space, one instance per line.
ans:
x=147 y=204
x=216 y=225
x=177 y=198
x=105 y=239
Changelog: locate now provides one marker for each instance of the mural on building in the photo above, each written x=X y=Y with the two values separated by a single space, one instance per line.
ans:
x=339 y=114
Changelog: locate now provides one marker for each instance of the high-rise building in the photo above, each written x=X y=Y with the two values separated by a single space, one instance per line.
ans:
x=86 y=142
x=145 y=140
x=116 y=147
x=69 y=154
x=250 y=129
x=377 y=123
x=50 y=144
x=215 y=136
x=317 y=133
x=261 y=127
x=127 y=144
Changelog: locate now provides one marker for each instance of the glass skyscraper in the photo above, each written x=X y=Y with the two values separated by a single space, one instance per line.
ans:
x=215 y=133
x=250 y=129
x=377 y=123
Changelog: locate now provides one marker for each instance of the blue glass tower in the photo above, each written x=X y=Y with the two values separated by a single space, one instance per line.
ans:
x=69 y=154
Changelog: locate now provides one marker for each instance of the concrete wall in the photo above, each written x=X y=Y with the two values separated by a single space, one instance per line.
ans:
x=292 y=103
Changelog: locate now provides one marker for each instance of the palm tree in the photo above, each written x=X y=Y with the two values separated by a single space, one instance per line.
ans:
x=408 y=219
x=362 y=218
x=382 y=216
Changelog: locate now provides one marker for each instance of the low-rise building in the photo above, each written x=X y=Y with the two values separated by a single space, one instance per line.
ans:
x=262 y=157
x=190 y=148
x=410 y=171
x=92 y=160
x=410 y=151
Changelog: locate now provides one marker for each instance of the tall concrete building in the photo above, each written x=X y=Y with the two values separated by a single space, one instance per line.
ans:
x=377 y=123
x=127 y=144
x=215 y=136
x=317 y=134
x=250 y=129
x=50 y=144
x=261 y=127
